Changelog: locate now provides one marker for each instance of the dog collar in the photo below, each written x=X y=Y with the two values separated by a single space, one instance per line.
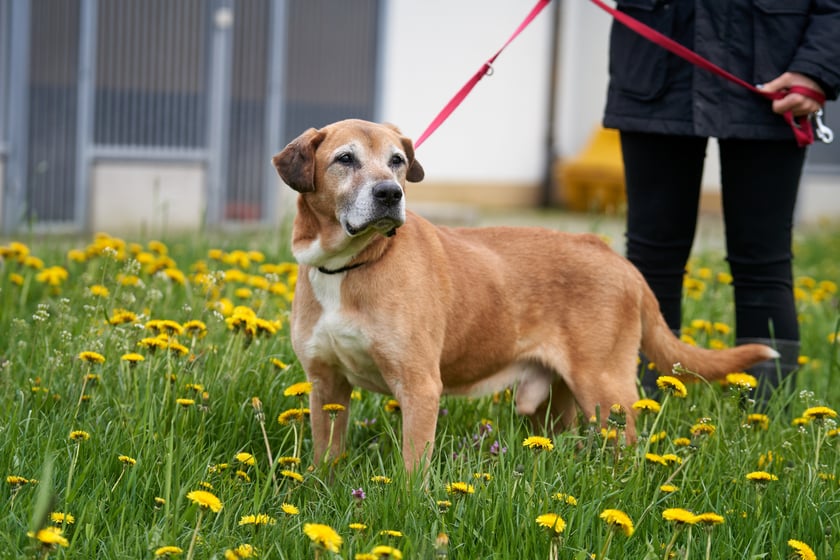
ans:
x=325 y=270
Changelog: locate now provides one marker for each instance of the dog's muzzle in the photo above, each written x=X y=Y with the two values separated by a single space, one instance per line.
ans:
x=381 y=207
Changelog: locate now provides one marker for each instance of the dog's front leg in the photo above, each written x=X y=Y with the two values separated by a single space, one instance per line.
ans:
x=329 y=428
x=419 y=403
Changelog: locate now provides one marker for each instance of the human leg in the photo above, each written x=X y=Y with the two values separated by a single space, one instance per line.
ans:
x=662 y=175
x=760 y=182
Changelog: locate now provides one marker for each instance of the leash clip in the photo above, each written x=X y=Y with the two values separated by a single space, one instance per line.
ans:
x=825 y=134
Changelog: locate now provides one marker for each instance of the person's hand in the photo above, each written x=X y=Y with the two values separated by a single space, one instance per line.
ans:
x=798 y=103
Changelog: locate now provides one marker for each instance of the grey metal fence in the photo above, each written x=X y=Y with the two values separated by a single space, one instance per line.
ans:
x=222 y=82
x=4 y=73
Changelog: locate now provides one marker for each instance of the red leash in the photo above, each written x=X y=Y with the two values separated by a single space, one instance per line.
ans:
x=801 y=126
x=485 y=70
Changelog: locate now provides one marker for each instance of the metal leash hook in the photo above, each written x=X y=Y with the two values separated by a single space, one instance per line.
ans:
x=825 y=134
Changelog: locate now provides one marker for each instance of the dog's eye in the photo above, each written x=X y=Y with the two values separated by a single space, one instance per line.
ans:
x=397 y=160
x=345 y=158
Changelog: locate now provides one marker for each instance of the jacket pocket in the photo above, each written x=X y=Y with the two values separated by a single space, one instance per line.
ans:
x=638 y=67
x=779 y=28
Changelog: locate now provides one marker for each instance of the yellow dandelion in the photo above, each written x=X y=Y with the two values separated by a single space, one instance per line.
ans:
x=709 y=519
x=646 y=405
x=659 y=436
x=566 y=498
x=702 y=429
x=79 y=435
x=298 y=389
x=552 y=522
x=186 y=403
x=126 y=460
x=802 y=550
x=241 y=551
x=654 y=458
x=51 y=536
x=724 y=278
x=390 y=533
x=672 y=459
x=538 y=442
x=669 y=488
x=195 y=328
x=323 y=536
x=758 y=420
x=443 y=505
x=741 y=380
x=285 y=461
x=333 y=408
x=289 y=509
x=132 y=358
x=14 y=480
x=60 y=518
x=380 y=479
x=297 y=477
x=680 y=516
x=672 y=385
x=256 y=520
x=246 y=459
x=167 y=551
x=761 y=477
x=392 y=405
x=619 y=520
x=383 y=551
x=52 y=276
x=293 y=414
x=819 y=413
x=205 y=500
x=682 y=442
x=165 y=326
x=98 y=290
x=460 y=488
x=279 y=364
x=358 y=527
x=92 y=357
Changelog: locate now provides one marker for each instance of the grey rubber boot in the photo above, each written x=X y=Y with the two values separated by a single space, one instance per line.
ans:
x=773 y=374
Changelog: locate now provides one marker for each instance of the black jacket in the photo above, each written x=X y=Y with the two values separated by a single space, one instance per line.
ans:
x=651 y=90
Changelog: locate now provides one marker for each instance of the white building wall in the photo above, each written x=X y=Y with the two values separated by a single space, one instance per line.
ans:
x=431 y=48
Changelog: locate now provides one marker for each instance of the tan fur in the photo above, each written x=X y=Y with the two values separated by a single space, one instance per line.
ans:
x=435 y=310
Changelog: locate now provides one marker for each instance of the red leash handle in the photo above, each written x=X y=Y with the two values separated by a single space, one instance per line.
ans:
x=801 y=126
x=486 y=68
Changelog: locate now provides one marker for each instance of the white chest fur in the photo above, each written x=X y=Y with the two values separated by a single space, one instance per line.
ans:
x=337 y=339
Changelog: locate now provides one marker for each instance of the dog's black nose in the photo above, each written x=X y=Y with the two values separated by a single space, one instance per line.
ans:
x=387 y=192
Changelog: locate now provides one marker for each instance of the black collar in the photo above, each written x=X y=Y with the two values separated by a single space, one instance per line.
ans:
x=325 y=270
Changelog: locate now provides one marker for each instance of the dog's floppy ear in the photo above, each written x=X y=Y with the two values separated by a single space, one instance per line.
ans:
x=415 y=171
x=296 y=163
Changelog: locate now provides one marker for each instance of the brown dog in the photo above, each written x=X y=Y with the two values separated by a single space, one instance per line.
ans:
x=391 y=303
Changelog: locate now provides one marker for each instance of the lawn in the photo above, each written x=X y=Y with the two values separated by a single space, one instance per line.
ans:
x=152 y=407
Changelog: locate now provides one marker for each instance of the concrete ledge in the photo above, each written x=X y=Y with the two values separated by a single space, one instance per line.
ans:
x=147 y=197
x=485 y=195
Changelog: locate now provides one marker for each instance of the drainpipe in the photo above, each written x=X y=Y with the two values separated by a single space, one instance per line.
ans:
x=547 y=188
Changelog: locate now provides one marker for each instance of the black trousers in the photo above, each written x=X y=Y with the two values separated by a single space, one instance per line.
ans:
x=759 y=179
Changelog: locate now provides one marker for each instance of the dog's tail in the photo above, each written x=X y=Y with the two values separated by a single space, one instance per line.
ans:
x=661 y=346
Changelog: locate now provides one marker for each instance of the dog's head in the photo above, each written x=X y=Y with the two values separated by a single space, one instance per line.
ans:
x=353 y=170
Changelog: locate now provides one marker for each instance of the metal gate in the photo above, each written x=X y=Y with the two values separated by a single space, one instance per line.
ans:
x=222 y=82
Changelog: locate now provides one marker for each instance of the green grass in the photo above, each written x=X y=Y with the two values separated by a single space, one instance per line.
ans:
x=132 y=411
